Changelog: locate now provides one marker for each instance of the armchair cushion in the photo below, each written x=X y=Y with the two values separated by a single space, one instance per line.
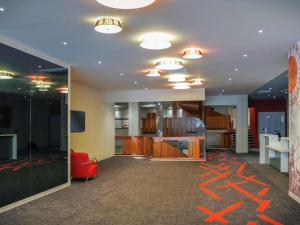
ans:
x=82 y=166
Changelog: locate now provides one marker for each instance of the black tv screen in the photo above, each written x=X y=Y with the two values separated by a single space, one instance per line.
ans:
x=77 y=121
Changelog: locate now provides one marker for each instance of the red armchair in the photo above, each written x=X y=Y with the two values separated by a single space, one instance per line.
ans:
x=82 y=166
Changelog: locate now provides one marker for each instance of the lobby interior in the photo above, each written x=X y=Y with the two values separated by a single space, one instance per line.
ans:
x=149 y=112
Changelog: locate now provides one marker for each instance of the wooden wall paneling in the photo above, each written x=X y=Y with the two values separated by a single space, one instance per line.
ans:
x=157 y=147
x=127 y=145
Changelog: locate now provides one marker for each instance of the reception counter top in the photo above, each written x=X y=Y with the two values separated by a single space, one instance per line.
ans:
x=271 y=146
x=189 y=138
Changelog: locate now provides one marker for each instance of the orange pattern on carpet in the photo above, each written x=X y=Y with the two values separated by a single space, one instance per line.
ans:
x=228 y=172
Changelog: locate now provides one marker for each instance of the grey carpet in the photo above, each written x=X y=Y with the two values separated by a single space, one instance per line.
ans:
x=141 y=192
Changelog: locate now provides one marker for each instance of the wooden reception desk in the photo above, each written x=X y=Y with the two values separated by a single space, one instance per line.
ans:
x=162 y=149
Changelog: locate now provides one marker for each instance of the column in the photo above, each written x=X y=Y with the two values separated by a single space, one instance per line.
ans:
x=294 y=121
x=159 y=119
x=134 y=119
x=242 y=124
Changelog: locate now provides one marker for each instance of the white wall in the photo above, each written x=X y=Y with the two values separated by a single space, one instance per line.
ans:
x=241 y=103
x=155 y=95
x=98 y=140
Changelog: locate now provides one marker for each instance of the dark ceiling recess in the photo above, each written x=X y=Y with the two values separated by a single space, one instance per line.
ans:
x=274 y=89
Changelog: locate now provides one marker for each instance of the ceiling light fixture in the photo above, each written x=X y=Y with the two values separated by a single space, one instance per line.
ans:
x=5 y=75
x=43 y=89
x=42 y=84
x=153 y=73
x=63 y=90
x=169 y=64
x=156 y=41
x=192 y=53
x=2 y=9
x=245 y=55
x=65 y=43
x=126 y=4
x=176 y=78
x=108 y=25
x=236 y=69
x=197 y=82
x=260 y=31
x=181 y=86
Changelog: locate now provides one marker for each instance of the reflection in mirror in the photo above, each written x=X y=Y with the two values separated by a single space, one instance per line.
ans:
x=33 y=125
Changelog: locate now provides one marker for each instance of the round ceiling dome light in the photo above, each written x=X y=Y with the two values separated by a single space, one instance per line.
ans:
x=43 y=89
x=197 y=82
x=192 y=53
x=169 y=64
x=63 y=90
x=176 y=78
x=108 y=25
x=153 y=73
x=156 y=41
x=126 y=4
x=5 y=75
x=42 y=84
x=181 y=86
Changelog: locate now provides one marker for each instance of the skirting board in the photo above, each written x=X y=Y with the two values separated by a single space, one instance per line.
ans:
x=34 y=197
x=295 y=197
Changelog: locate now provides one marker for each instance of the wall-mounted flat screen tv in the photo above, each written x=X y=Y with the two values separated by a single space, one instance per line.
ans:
x=77 y=121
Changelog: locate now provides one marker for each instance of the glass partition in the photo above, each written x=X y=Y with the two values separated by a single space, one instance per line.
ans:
x=33 y=125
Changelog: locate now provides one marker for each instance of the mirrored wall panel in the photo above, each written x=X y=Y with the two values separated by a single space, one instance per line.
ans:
x=33 y=125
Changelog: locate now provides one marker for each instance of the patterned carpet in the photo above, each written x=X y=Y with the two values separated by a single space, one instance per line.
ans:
x=225 y=190
x=236 y=194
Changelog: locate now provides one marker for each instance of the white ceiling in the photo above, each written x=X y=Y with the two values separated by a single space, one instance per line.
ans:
x=225 y=30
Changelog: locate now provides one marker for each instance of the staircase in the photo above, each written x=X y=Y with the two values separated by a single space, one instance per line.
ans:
x=251 y=142
x=192 y=108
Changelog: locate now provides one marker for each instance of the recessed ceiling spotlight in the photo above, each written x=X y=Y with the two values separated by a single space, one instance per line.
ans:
x=135 y=82
x=4 y=75
x=236 y=69
x=169 y=64
x=156 y=41
x=181 y=86
x=65 y=43
x=2 y=9
x=126 y=4
x=108 y=25
x=260 y=31
x=176 y=78
x=153 y=73
x=121 y=74
x=230 y=79
x=245 y=55
x=99 y=62
x=197 y=82
x=192 y=53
